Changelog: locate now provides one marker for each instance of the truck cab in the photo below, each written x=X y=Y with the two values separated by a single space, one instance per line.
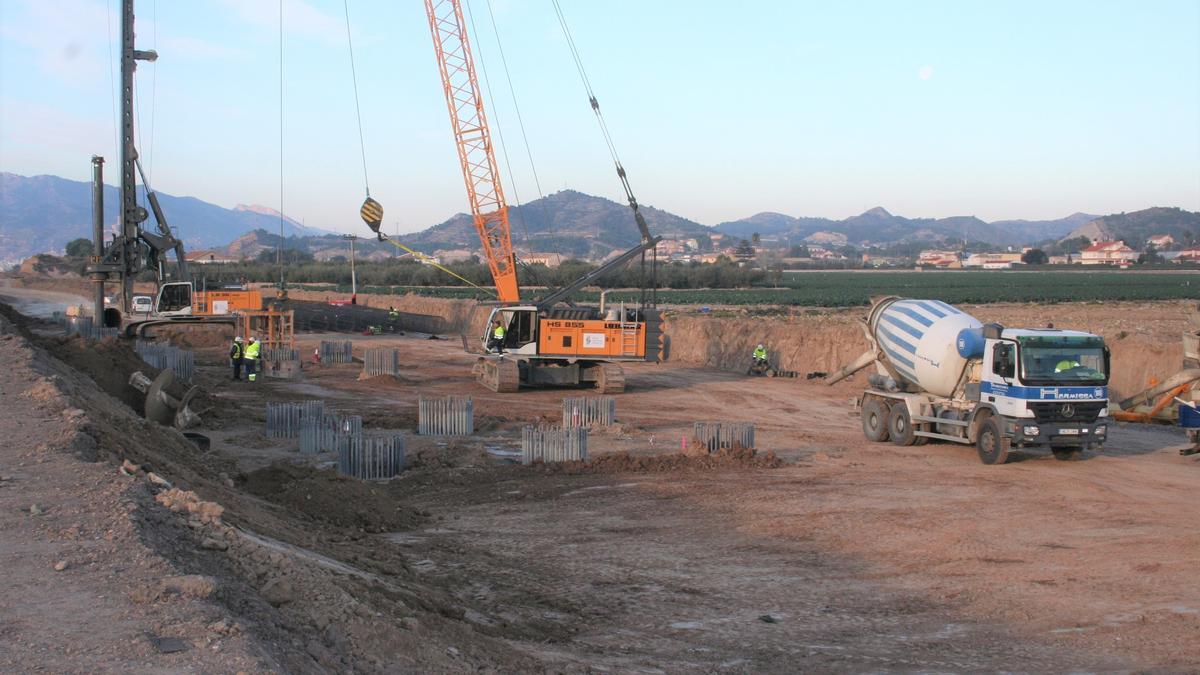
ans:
x=1049 y=386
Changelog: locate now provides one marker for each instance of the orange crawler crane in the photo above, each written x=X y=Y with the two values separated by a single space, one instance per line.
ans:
x=544 y=343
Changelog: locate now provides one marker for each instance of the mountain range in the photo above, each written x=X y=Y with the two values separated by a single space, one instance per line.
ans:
x=42 y=213
x=878 y=226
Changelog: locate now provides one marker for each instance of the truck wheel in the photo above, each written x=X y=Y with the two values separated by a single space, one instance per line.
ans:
x=991 y=443
x=1067 y=453
x=900 y=425
x=875 y=420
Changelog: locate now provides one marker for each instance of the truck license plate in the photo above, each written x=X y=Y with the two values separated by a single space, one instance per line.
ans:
x=1068 y=432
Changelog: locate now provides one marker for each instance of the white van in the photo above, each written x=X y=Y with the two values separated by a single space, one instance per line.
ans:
x=142 y=304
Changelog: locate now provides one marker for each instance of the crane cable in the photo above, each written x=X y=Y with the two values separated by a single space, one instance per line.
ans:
x=279 y=248
x=432 y=262
x=362 y=146
x=487 y=84
x=587 y=85
x=372 y=211
x=643 y=229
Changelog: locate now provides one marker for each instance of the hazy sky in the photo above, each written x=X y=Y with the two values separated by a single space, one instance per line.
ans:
x=719 y=109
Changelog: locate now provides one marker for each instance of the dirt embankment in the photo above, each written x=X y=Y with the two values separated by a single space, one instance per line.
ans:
x=822 y=341
x=457 y=313
x=1145 y=338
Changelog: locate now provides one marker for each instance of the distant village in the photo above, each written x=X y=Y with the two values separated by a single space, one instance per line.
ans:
x=1159 y=248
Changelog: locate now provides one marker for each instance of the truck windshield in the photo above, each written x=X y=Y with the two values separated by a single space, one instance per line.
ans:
x=1063 y=360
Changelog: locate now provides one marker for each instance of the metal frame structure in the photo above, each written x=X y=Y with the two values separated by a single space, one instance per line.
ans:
x=273 y=328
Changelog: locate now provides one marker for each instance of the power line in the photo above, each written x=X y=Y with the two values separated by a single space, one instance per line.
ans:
x=520 y=120
x=487 y=83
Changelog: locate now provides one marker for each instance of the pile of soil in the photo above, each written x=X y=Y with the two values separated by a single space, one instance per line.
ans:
x=623 y=462
x=389 y=418
x=195 y=335
x=418 y=312
x=326 y=496
x=109 y=362
x=256 y=440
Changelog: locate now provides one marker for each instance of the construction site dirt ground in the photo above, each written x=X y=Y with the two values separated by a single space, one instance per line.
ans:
x=838 y=555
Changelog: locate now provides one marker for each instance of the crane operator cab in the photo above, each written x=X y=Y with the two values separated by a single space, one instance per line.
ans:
x=174 y=299
x=517 y=332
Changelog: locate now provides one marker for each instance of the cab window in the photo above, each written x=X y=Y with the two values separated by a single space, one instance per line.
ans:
x=1002 y=360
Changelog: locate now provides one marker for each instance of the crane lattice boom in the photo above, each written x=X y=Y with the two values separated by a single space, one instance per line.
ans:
x=465 y=103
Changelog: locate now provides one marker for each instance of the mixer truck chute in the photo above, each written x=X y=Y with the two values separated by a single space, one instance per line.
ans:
x=942 y=374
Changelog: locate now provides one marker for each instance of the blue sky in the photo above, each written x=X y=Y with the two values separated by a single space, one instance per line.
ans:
x=719 y=109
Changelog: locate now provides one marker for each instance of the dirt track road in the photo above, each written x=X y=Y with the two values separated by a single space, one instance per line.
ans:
x=37 y=302
x=867 y=554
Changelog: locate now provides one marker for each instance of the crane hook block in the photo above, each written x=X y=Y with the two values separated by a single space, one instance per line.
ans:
x=372 y=214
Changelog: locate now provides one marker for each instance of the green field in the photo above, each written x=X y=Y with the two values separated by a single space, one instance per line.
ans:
x=847 y=289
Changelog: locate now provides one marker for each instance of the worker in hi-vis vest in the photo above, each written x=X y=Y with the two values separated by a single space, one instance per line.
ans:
x=1067 y=364
x=760 y=355
x=496 y=342
x=252 y=351
x=236 y=354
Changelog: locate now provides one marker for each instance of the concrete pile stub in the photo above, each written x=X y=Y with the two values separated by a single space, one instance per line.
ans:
x=163 y=356
x=285 y=419
x=337 y=351
x=330 y=433
x=83 y=326
x=713 y=436
x=281 y=362
x=589 y=411
x=372 y=457
x=553 y=444
x=450 y=416
x=381 y=361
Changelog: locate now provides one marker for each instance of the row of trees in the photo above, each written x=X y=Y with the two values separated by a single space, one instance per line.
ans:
x=300 y=268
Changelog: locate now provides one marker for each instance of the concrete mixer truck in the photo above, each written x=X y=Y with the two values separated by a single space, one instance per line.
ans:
x=941 y=374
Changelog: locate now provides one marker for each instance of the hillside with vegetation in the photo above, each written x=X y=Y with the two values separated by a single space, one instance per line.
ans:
x=1136 y=227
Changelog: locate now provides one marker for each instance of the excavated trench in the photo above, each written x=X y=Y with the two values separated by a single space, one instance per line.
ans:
x=810 y=340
